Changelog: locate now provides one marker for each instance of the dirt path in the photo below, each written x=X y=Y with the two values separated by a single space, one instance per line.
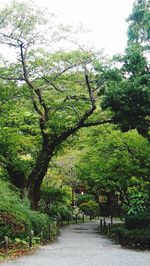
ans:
x=80 y=245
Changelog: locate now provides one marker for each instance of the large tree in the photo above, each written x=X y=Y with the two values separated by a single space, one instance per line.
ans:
x=127 y=82
x=55 y=94
x=139 y=23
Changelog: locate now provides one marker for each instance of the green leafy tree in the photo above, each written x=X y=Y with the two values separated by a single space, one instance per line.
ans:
x=58 y=88
x=54 y=197
x=139 y=23
x=90 y=207
x=116 y=162
x=18 y=134
x=126 y=88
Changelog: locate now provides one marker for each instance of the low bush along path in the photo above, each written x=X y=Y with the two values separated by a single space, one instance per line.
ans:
x=80 y=245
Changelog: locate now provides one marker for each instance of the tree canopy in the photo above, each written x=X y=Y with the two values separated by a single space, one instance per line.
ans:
x=49 y=94
x=127 y=81
x=55 y=95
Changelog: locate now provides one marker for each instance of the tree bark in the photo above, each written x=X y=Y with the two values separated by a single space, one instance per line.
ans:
x=37 y=175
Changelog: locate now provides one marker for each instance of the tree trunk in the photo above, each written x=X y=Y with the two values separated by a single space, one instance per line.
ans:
x=37 y=175
x=40 y=169
x=34 y=196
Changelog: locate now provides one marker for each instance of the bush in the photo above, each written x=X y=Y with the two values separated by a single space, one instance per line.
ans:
x=13 y=226
x=89 y=208
x=137 y=238
x=54 y=202
x=139 y=203
x=60 y=211
x=16 y=218
x=13 y=218
x=84 y=198
x=138 y=221
x=38 y=221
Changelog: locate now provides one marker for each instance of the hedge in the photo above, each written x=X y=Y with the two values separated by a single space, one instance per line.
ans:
x=138 y=221
x=137 y=238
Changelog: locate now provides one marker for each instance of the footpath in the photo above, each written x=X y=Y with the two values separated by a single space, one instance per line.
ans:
x=82 y=245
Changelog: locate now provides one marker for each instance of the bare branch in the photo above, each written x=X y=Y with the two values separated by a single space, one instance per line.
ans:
x=11 y=38
x=9 y=44
x=90 y=91
x=3 y=19
x=26 y=77
x=12 y=78
x=56 y=87
x=18 y=40
x=51 y=81
x=97 y=123
x=76 y=112
x=36 y=106
x=77 y=97
x=43 y=115
x=13 y=31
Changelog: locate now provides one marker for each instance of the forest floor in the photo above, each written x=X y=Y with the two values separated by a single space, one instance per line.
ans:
x=82 y=245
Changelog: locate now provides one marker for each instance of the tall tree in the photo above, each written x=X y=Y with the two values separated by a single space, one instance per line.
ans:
x=58 y=88
x=139 y=23
x=126 y=91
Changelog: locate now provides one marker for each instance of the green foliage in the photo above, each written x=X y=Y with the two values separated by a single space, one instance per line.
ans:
x=12 y=225
x=139 y=27
x=38 y=221
x=126 y=87
x=55 y=202
x=16 y=218
x=84 y=198
x=60 y=211
x=19 y=131
x=45 y=97
x=89 y=208
x=139 y=202
x=126 y=169
x=138 y=221
x=55 y=194
x=20 y=17
x=129 y=98
x=20 y=241
x=137 y=238
x=49 y=93
x=136 y=231
x=12 y=211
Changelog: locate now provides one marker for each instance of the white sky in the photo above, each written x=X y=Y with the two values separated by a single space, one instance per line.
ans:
x=106 y=19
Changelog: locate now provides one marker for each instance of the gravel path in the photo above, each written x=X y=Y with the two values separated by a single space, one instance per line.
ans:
x=80 y=245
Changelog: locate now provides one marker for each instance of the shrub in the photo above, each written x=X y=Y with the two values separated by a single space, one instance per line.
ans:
x=13 y=219
x=16 y=218
x=139 y=203
x=60 y=211
x=53 y=199
x=38 y=221
x=138 y=221
x=13 y=226
x=137 y=238
x=90 y=207
x=84 y=198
